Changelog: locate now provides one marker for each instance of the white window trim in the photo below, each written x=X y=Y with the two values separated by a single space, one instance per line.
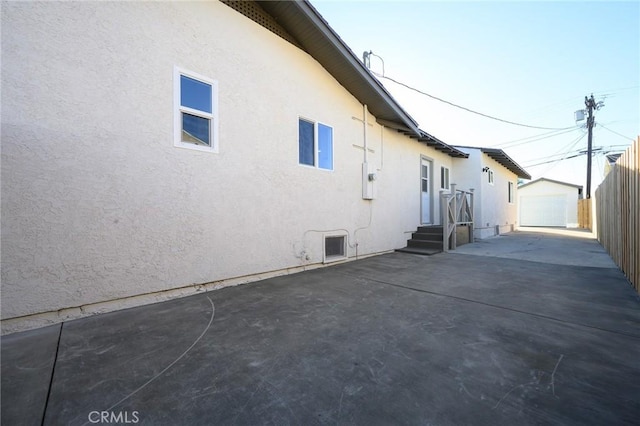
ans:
x=445 y=185
x=179 y=109
x=330 y=259
x=316 y=159
x=490 y=177
x=511 y=194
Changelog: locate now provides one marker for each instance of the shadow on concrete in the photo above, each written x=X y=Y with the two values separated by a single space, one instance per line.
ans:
x=396 y=339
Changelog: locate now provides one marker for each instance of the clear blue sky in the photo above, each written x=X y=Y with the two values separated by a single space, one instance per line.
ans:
x=528 y=62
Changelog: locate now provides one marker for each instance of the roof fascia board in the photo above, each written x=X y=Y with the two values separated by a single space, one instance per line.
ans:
x=506 y=161
x=312 y=14
x=573 y=185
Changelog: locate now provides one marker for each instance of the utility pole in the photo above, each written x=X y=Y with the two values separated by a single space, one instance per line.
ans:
x=591 y=105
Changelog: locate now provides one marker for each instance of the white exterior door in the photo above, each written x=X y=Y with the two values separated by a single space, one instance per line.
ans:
x=425 y=191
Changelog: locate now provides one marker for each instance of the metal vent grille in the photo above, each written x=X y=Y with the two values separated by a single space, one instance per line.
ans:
x=253 y=11
x=334 y=248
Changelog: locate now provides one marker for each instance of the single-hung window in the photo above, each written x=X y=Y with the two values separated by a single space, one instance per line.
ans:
x=195 y=111
x=315 y=144
x=444 y=178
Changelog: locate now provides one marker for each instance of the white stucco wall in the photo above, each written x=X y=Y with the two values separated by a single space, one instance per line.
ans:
x=545 y=188
x=97 y=203
x=491 y=202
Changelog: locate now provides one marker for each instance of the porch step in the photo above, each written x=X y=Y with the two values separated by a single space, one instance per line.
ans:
x=426 y=237
x=435 y=229
x=427 y=240
x=421 y=251
x=424 y=244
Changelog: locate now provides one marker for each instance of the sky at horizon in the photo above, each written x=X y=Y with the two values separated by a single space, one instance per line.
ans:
x=528 y=62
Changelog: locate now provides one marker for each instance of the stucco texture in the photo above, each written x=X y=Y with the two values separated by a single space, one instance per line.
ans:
x=99 y=205
x=493 y=213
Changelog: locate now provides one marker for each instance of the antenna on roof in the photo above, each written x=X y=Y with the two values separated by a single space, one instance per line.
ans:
x=366 y=60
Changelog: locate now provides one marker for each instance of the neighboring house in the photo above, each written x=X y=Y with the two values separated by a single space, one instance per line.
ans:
x=154 y=149
x=493 y=176
x=610 y=163
x=547 y=202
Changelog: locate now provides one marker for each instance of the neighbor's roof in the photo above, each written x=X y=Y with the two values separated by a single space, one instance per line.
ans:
x=612 y=158
x=304 y=23
x=552 y=181
x=501 y=157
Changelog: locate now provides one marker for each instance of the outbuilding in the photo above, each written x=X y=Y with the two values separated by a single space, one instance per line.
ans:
x=547 y=202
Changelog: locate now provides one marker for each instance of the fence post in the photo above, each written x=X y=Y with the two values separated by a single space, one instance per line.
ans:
x=442 y=207
x=455 y=216
x=444 y=212
x=471 y=238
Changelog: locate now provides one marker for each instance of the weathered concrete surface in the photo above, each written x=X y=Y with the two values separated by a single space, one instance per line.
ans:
x=548 y=245
x=27 y=365
x=397 y=339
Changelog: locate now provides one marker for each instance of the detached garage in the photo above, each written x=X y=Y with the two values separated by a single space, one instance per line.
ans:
x=546 y=202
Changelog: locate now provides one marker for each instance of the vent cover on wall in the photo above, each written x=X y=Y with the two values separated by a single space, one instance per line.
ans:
x=335 y=247
x=256 y=13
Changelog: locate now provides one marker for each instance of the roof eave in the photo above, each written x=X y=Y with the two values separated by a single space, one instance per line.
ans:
x=501 y=157
x=337 y=58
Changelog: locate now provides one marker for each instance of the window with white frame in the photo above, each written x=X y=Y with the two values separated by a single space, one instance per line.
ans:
x=195 y=112
x=490 y=176
x=444 y=177
x=315 y=144
x=510 y=193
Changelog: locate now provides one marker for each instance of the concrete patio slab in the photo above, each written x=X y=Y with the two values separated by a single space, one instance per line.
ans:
x=560 y=246
x=396 y=339
x=27 y=361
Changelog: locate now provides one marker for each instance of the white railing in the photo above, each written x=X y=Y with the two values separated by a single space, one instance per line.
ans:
x=456 y=209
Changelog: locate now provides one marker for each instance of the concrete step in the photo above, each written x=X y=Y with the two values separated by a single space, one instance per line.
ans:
x=421 y=251
x=430 y=230
x=425 y=244
x=429 y=237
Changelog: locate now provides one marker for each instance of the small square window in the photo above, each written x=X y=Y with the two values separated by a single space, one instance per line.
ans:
x=195 y=111
x=315 y=144
x=444 y=178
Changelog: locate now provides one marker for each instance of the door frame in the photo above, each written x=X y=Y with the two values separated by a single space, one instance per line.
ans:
x=430 y=177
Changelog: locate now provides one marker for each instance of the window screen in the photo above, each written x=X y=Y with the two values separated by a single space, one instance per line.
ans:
x=305 y=142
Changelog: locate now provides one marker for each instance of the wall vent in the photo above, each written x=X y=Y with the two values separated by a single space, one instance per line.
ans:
x=335 y=248
x=257 y=14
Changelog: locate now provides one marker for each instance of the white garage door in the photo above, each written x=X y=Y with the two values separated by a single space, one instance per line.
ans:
x=543 y=210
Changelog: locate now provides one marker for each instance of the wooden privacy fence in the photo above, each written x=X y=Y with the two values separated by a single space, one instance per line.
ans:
x=584 y=214
x=618 y=213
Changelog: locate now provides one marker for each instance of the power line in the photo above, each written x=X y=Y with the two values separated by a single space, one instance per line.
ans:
x=616 y=133
x=535 y=138
x=565 y=150
x=565 y=155
x=468 y=109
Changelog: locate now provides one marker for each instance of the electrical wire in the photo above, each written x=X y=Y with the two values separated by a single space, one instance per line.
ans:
x=565 y=156
x=535 y=138
x=468 y=109
x=562 y=151
x=615 y=133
